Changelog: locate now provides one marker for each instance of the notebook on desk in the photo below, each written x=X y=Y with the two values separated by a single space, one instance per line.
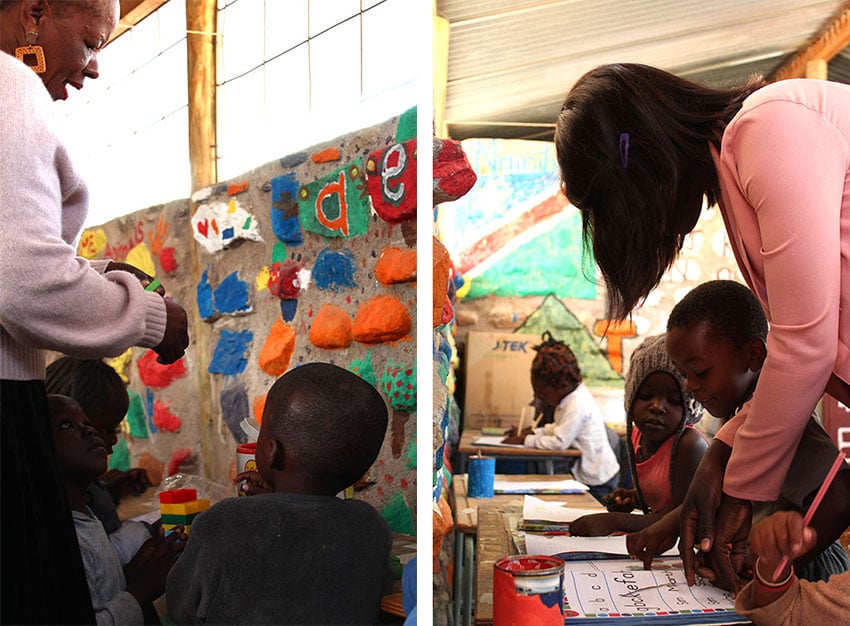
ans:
x=539 y=487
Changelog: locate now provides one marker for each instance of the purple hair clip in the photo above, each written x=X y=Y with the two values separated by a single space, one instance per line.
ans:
x=624 y=149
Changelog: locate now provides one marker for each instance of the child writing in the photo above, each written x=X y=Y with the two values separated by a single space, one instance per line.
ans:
x=664 y=447
x=557 y=383
x=716 y=337
x=787 y=600
x=119 y=595
x=102 y=395
x=296 y=555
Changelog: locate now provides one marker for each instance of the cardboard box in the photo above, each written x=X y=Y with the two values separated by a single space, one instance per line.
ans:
x=498 y=377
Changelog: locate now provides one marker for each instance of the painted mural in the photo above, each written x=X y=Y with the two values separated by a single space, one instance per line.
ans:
x=309 y=258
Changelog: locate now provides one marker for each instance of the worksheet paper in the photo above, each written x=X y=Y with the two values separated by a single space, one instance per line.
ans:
x=621 y=592
x=494 y=440
x=565 y=486
x=537 y=509
x=558 y=544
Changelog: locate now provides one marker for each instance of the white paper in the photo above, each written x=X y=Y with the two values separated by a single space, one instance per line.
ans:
x=537 y=509
x=494 y=440
x=553 y=544
x=539 y=486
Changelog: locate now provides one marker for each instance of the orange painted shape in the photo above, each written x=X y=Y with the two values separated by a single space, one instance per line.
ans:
x=396 y=266
x=326 y=156
x=383 y=318
x=277 y=349
x=615 y=331
x=440 y=278
x=340 y=222
x=331 y=329
x=259 y=407
x=214 y=225
x=234 y=188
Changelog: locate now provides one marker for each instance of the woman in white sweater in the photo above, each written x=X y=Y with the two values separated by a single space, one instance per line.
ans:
x=51 y=299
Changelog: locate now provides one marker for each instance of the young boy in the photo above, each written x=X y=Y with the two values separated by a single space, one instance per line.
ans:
x=296 y=555
x=119 y=595
x=716 y=337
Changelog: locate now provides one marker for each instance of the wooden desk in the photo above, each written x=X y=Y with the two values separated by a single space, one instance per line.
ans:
x=466 y=447
x=466 y=511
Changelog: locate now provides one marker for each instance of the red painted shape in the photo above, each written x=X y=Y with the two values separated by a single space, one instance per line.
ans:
x=164 y=418
x=391 y=179
x=180 y=456
x=176 y=496
x=283 y=279
x=499 y=238
x=204 y=228
x=157 y=375
x=453 y=175
x=167 y=260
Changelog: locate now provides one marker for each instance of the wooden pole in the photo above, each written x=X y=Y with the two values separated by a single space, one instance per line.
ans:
x=834 y=37
x=201 y=43
x=441 y=71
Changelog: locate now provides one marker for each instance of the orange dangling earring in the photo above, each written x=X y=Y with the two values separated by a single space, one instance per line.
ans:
x=31 y=54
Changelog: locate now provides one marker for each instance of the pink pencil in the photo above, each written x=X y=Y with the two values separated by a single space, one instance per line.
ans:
x=815 y=503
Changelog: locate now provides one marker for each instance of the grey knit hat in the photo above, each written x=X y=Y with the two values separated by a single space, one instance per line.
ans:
x=651 y=356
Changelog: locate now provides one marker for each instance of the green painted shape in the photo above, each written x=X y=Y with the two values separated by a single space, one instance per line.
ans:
x=550 y=263
x=136 y=416
x=398 y=384
x=279 y=252
x=410 y=455
x=358 y=207
x=120 y=457
x=406 y=126
x=554 y=316
x=363 y=368
x=398 y=515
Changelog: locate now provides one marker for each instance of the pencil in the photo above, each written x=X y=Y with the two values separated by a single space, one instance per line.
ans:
x=153 y=285
x=830 y=475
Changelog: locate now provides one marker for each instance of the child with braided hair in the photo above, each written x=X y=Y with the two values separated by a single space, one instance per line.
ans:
x=664 y=447
x=101 y=393
x=576 y=419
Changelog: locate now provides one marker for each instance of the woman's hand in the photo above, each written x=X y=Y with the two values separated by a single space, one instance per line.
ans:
x=176 y=338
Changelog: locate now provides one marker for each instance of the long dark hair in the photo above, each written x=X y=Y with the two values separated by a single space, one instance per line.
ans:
x=633 y=148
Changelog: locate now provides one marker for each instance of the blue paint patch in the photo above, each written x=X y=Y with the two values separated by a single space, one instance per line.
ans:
x=293 y=160
x=227 y=233
x=230 y=356
x=234 y=409
x=284 y=211
x=287 y=308
x=149 y=411
x=231 y=296
x=334 y=270
x=206 y=309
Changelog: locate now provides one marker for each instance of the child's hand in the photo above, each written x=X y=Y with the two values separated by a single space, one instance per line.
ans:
x=253 y=483
x=621 y=500
x=596 y=525
x=147 y=571
x=654 y=539
x=780 y=535
x=520 y=438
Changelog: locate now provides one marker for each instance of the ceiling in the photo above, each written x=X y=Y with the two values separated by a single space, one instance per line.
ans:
x=511 y=62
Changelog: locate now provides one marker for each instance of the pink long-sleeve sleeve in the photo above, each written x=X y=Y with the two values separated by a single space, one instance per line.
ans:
x=784 y=178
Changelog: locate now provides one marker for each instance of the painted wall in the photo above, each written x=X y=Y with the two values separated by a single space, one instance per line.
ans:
x=309 y=258
x=516 y=243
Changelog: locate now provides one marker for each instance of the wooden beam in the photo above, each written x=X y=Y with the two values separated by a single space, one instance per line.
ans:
x=133 y=12
x=440 y=72
x=201 y=42
x=833 y=38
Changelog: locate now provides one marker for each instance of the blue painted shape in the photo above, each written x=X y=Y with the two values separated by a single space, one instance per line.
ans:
x=234 y=409
x=230 y=355
x=206 y=308
x=334 y=270
x=287 y=308
x=231 y=296
x=284 y=211
x=149 y=411
x=227 y=233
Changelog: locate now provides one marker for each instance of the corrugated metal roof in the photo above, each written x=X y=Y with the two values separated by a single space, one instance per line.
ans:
x=512 y=61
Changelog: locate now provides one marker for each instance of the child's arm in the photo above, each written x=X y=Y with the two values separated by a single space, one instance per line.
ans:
x=600 y=524
x=692 y=448
x=656 y=538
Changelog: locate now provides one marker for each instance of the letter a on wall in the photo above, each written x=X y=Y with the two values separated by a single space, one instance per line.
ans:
x=336 y=205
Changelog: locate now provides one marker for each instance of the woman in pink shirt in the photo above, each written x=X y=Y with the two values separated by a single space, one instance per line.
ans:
x=638 y=149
